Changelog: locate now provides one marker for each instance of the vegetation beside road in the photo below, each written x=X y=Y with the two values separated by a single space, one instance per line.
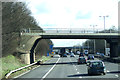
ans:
x=10 y=63
x=16 y=18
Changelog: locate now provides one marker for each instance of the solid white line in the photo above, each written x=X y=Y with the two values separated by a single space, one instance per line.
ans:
x=27 y=71
x=50 y=70
x=22 y=74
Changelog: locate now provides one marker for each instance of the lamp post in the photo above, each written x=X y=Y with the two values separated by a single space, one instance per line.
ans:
x=104 y=17
x=94 y=39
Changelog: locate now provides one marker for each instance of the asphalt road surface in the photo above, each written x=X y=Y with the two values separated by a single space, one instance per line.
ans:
x=67 y=67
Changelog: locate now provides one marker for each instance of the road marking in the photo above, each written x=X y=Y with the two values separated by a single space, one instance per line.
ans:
x=108 y=71
x=22 y=74
x=76 y=69
x=77 y=72
x=36 y=67
x=50 y=69
x=116 y=75
x=80 y=77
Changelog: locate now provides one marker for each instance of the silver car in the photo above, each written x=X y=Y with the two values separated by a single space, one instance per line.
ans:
x=96 y=67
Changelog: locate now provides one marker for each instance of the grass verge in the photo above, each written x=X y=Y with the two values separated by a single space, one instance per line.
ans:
x=10 y=63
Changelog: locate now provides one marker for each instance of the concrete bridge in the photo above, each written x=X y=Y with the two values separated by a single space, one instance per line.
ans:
x=86 y=47
x=110 y=36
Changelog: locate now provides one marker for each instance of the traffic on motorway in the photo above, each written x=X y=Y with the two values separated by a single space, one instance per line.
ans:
x=94 y=66
x=74 y=65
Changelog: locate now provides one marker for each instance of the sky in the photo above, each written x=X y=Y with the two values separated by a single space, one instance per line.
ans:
x=74 y=14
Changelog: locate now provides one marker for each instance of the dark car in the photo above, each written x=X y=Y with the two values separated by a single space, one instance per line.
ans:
x=96 y=67
x=64 y=55
x=82 y=60
x=81 y=55
x=90 y=57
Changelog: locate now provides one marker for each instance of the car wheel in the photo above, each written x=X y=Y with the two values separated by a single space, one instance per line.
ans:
x=89 y=72
x=78 y=63
x=104 y=73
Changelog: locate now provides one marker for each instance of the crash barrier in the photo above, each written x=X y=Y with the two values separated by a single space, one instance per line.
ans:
x=38 y=62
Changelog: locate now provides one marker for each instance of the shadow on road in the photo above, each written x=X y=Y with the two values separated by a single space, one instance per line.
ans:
x=78 y=75
x=114 y=72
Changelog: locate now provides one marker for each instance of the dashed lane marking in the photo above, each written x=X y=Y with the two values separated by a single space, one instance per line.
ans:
x=80 y=77
x=116 y=75
x=77 y=72
x=108 y=71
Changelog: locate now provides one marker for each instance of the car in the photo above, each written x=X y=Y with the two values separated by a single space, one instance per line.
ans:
x=82 y=60
x=56 y=56
x=78 y=52
x=81 y=55
x=68 y=53
x=86 y=52
x=64 y=55
x=72 y=55
x=90 y=56
x=96 y=67
x=101 y=54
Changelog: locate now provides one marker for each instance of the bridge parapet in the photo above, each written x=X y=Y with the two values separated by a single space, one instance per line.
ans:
x=68 y=30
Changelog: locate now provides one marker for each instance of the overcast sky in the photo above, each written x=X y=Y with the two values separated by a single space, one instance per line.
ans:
x=74 y=14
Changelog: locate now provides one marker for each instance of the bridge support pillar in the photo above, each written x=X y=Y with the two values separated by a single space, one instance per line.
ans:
x=62 y=51
x=32 y=56
x=113 y=47
x=70 y=50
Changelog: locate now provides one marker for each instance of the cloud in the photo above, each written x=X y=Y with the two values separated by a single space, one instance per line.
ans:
x=81 y=15
x=74 y=14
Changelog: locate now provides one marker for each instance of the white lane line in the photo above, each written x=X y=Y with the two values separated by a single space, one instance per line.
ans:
x=22 y=74
x=50 y=69
x=26 y=72
x=76 y=69
x=77 y=72
x=116 y=75
x=80 y=77
x=108 y=71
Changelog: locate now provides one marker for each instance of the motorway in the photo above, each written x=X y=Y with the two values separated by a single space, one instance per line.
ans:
x=67 y=67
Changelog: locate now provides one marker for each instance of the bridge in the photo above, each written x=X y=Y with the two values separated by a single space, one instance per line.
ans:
x=86 y=47
x=112 y=37
x=72 y=34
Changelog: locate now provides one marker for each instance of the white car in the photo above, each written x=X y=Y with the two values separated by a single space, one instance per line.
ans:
x=56 y=56
x=72 y=55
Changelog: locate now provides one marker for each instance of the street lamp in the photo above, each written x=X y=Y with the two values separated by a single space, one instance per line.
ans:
x=104 y=17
